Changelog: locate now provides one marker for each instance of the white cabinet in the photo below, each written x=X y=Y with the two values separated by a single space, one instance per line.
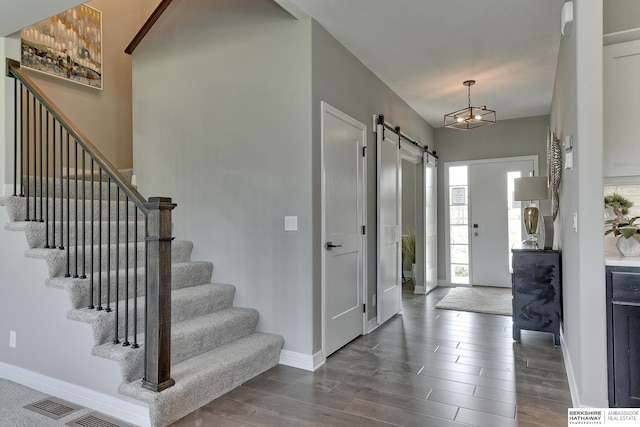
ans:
x=622 y=109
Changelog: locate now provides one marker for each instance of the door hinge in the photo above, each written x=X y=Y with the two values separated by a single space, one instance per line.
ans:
x=364 y=308
x=364 y=229
x=364 y=151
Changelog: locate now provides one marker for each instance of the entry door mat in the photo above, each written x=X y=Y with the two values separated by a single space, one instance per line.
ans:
x=478 y=299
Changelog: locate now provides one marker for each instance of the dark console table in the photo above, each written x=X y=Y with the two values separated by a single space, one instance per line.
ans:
x=536 y=280
x=623 y=332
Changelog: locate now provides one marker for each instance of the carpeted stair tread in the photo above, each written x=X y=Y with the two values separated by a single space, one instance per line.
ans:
x=189 y=338
x=57 y=259
x=186 y=303
x=183 y=275
x=205 y=377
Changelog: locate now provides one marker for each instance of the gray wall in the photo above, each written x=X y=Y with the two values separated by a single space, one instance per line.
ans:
x=222 y=124
x=341 y=80
x=577 y=111
x=409 y=177
x=507 y=138
x=621 y=15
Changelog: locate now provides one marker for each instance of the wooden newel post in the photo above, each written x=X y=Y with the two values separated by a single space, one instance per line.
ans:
x=157 y=375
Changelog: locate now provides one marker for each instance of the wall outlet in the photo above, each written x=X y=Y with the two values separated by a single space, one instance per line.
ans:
x=12 y=339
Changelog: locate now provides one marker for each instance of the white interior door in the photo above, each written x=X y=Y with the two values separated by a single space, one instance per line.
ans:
x=343 y=139
x=431 y=222
x=389 y=225
x=490 y=199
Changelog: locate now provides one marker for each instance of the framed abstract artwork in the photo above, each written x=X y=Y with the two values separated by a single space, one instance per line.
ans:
x=67 y=46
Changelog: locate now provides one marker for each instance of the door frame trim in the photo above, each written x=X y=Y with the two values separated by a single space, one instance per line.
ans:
x=445 y=187
x=327 y=108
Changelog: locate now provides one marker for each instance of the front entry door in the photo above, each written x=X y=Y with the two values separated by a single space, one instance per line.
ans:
x=343 y=189
x=491 y=212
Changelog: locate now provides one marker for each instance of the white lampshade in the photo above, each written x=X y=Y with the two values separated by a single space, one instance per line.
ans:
x=530 y=188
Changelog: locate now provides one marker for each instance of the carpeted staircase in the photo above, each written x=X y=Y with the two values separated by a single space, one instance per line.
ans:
x=215 y=346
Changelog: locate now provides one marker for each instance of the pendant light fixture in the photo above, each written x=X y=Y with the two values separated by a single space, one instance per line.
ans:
x=470 y=117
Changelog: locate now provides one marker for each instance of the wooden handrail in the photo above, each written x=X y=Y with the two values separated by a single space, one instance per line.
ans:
x=133 y=194
x=164 y=4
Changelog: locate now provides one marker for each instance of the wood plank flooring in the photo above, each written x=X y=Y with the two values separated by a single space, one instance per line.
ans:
x=425 y=367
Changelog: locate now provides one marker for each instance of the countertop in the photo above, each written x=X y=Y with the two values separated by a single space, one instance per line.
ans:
x=617 y=260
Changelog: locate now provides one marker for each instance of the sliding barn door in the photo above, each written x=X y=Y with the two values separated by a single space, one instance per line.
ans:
x=431 y=222
x=389 y=225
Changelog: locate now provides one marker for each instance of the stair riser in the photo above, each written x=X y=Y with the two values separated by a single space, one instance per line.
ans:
x=33 y=186
x=183 y=275
x=54 y=210
x=216 y=298
x=201 y=340
x=115 y=231
x=107 y=258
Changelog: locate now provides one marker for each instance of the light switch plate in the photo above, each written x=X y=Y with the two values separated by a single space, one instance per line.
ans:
x=290 y=223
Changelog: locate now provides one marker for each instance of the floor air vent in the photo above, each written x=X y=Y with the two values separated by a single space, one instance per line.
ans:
x=53 y=407
x=96 y=419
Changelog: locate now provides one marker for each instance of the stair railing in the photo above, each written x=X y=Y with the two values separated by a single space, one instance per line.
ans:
x=58 y=171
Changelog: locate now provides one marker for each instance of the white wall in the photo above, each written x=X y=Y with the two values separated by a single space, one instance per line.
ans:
x=222 y=124
x=577 y=111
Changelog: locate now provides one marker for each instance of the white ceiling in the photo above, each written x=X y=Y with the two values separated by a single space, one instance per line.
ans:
x=425 y=49
x=17 y=14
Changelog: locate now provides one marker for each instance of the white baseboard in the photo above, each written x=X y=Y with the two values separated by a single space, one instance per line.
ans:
x=571 y=378
x=372 y=325
x=109 y=405
x=444 y=283
x=7 y=190
x=419 y=290
x=307 y=362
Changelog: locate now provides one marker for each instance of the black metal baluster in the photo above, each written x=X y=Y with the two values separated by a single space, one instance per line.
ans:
x=46 y=210
x=68 y=274
x=41 y=168
x=54 y=183
x=61 y=247
x=126 y=267
x=117 y=273
x=135 y=278
x=75 y=199
x=34 y=139
x=84 y=216
x=99 y=239
x=15 y=134
x=27 y=159
x=93 y=202
x=146 y=288
x=108 y=309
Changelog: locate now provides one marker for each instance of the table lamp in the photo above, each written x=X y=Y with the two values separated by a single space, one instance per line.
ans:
x=530 y=188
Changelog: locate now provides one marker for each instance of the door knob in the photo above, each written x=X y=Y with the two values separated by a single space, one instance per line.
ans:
x=330 y=246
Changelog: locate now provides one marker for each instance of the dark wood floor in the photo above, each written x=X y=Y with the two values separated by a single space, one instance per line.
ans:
x=425 y=367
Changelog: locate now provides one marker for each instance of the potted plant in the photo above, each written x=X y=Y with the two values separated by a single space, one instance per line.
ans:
x=409 y=249
x=618 y=204
x=628 y=233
